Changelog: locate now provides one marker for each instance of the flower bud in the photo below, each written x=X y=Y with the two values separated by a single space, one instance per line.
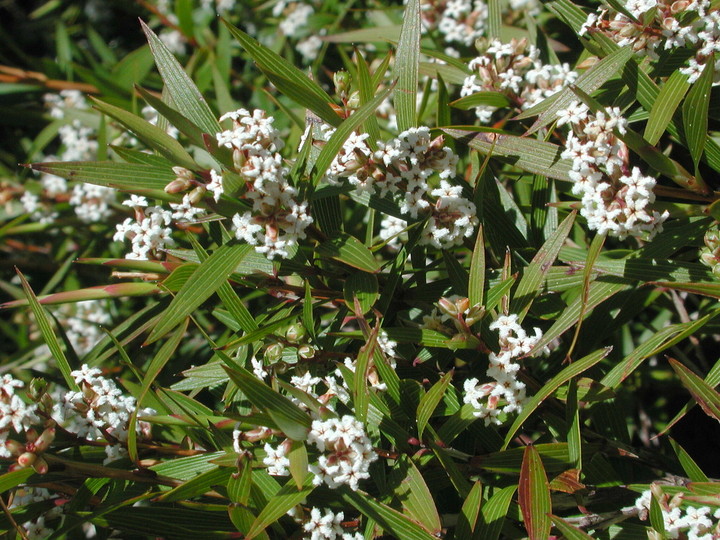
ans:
x=197 y=195
x=295 y=333
x=342 y=83
x=40 y=466
x=26 y=459
x=182 y=172
x=273 y=353
x=37 y=388
x=46 y=437
x=15 y=448
x=306 y=352
x=178 y=185
x=447 y=307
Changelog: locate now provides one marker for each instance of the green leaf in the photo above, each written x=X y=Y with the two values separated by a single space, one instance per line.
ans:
x=362 y=286
x=288 y=416
x=656 y=517
x=285 y=499
x=337 y=139
x=123 y=176
x=533 y=276
x=416 y=498
x=185 y=126
x=534 y=495
x=666 y=103
x=695 y=111
x=568 y=531
x=150 y=135
x=298 y=458
x=491 y=98
x=573 y=370
x=429 y=402
x=692 y=470
x=43 y=322
x=361 y=397
x=349 y=250
x=366 y=95
x=10 y=480
x=400 y=525
x=182 y=90
x=206 y=279
x=287 y=78
x=525 y=153
x=100 y=292
x=199 y=485
x=476 y=284
x=407 y=62
x=492 y=514
x=494 y=19
x=469 y=513
x=704 y=394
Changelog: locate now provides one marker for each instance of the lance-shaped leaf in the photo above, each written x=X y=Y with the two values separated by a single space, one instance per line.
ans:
x=287 y=78
x=534 y=495
x=670 y=96
x=178 y=120
x=362 y=286
x=351 y=251
x=469 y=512
x=400 y=525
x=206 y=279
x=705 y=395
x=525 y=153
x=199 y=485
x=416 y=498
x=491 y=98
x=407 y=64
x=534 y=274
x=182 y=90
x=150 y=135
x=361 y=397
x=430 y=401
x=476 y=283
x=100 y=292
x=695 y=111
x=568 y=531
x=492 y=514
x=573 y=370
x=285 y=499
x=123 y=176
x=288 y=416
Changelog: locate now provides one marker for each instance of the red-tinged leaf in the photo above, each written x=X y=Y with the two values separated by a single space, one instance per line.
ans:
x=704 y=394
x=92 y=293
x=534 y=495
x=567 y=482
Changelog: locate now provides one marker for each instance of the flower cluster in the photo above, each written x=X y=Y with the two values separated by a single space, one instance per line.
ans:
x=515 y=70
x=663 y=24
x=486 y=398
x=15 y=414
x=614 y=200
x=35 y=529
x=148 y=231
x=324 y=525
x=402 y=168
x=347 y=452
x=82 y=321
x=277 y=220
x=682 y=521
x=99 y=411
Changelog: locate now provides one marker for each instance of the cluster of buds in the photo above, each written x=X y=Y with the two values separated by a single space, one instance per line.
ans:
x=459 y=311
x=29 y=454
x=710 y=254
x=185 y=181
x=294 y=346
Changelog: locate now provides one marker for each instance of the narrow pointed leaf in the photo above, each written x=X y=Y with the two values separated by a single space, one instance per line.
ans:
x=493 y=514
x=100 y=292
x=288 y=496
x=150 y=135
x=695 y=111
x=670 y=96
x=525 y=153
x=469 y=512
x=124 y=176
x=573 y=370
x=182 y=90
x=417 y=500
x=534 y=495
x=351 y=251
x=206 y=279
x=476 y=284
x=568 y=531
x=43 y=322
x=705 y=395
x=288 y=416
x=287 y=78
x=430 y=401
x=407 y=63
